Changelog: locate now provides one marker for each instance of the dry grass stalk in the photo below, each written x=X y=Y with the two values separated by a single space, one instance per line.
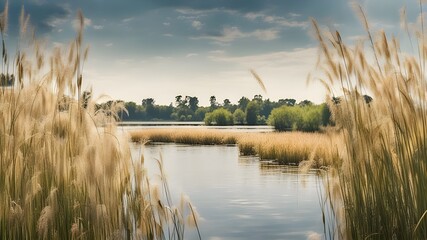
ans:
x=64 y=170
x=383 y=173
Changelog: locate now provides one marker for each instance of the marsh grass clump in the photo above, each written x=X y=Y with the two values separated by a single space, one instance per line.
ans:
x=284 y=147
x=382 y=180
x=184 y=136
x=65 y=173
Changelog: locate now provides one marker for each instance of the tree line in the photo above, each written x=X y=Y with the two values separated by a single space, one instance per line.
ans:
x=186 y=108
x=255 y=111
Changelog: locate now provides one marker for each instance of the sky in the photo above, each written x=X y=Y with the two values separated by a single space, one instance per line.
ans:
x=163 y=48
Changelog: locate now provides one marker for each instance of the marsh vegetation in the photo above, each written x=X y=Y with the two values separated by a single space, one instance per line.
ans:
x=65 y=173
x=283 y=147
x=379 y=190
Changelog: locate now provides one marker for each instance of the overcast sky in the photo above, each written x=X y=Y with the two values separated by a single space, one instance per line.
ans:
x=164 y=48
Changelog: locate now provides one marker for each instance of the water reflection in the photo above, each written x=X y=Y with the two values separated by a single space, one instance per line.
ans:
x=240 y=197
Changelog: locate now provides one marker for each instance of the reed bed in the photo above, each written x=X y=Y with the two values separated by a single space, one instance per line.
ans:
x=284 y=147
x=184 y=136
x=380 y=190
x=65 y=173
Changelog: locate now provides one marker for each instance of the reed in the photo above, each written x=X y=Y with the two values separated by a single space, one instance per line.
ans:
x=65 y=173
x=380 y=188
x=285 y=147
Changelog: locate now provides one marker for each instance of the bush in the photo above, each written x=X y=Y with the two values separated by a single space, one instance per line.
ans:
x=220 y=117
x=239 y=116
x=311 y=119
x=284 y=118
x=305 y=119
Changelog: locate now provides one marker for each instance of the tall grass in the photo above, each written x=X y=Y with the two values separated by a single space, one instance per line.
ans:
x=285 y=147
x=64 y=172
x=381 y=190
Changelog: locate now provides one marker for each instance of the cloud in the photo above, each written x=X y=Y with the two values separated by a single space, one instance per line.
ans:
x=58 y=16
x=230 y=34
x=191 y=55
x=294 y=15
x=217 y=52
x=98 y=27
x=197 y=24
x=45 y=16
x=281 y=58
x=235 y=5
x=109 y=44
x=167 y=24
x=126 y=20
x=279 y=21
x=167 y=35
x=265 y=35
x=54 y=22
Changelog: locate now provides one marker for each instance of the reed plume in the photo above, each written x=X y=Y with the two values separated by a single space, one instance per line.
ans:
x=382 y=177
x=65 y=172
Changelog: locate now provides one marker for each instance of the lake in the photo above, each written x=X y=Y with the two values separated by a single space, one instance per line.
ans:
x=239 y=197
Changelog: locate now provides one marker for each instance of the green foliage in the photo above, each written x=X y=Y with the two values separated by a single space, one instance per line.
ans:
x=200 y=113
x=306 y=119
x=287 y=102
x=193 y=103
x=284 y=118
x=220 y=117
x=243 y=103
x=326 y=115
x=239 y=116
x=311 y=119
x=252 y=110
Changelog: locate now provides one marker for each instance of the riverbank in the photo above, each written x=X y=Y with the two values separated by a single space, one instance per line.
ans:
x=284 y=147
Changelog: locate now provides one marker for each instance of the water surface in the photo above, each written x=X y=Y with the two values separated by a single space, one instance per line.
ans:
x=191 y=125
x=239 y=197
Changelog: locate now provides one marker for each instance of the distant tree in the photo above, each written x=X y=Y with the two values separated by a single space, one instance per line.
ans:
x=178 y=100
x=226 y=103
x=200 y=113
x=164 y=112
x=258 y=98
x=243 y=103
x=326 y=115
x=131 y=108
x=148 y=104
x=266 y=108
x=213 y=103
x=193 y=103
x=287 y=102
x=305 y=103
x=252 y=110
x=239 y=116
